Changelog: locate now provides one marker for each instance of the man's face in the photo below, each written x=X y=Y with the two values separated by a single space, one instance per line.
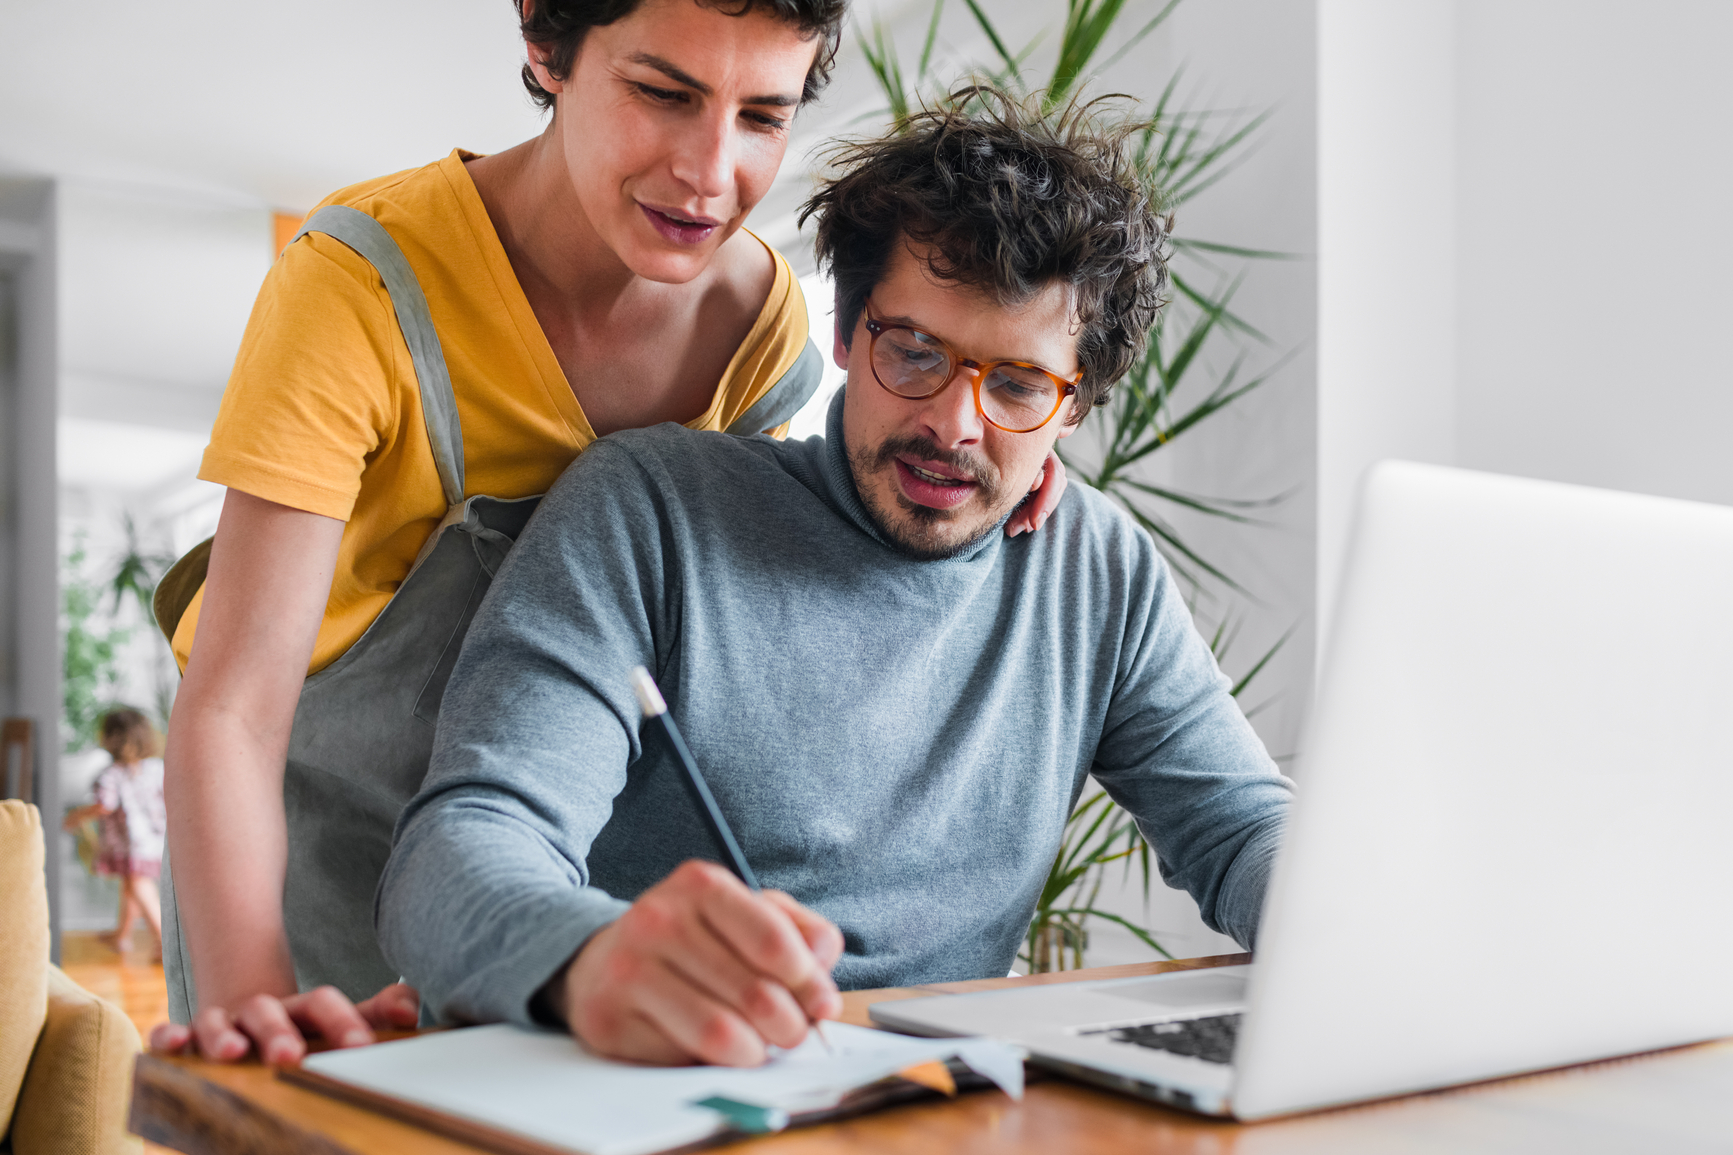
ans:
x=935 y=475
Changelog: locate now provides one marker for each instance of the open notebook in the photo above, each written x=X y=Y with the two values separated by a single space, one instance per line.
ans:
x=520 y=1090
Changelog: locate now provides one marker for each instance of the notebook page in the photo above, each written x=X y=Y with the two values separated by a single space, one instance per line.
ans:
x=543 y=1086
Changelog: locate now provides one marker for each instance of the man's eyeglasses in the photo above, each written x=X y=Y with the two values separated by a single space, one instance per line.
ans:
x=1012 y=395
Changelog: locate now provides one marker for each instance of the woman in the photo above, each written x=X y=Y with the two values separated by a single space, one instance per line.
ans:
x=595 y=278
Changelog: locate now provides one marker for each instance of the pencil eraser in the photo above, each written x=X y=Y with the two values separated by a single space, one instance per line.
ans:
x=649 y=697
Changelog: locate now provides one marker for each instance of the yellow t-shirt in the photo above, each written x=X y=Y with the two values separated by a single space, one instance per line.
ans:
x=323 y=412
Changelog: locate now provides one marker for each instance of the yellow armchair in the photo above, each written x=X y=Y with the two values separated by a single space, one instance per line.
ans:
x=65 y=1055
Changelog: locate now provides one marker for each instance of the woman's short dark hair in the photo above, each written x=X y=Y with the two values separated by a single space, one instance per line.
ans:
x=557 y=27
x=1008 y=198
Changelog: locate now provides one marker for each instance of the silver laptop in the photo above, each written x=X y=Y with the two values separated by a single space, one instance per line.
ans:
x=1513 y=847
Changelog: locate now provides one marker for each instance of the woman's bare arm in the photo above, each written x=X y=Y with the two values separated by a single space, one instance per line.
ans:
x=265 y=594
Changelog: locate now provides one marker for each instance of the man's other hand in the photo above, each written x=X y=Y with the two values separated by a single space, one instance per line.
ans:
x=701 y=969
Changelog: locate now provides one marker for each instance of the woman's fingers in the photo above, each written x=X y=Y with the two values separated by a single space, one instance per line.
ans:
x=397 y=1006
x=217 y=1036
x=170 y=1038
x=326 y=1011
x=274 y=1035
x=1043 y=498
x=278 y=1029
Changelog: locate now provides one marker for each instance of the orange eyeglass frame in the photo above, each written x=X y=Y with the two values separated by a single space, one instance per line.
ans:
x=876 y=328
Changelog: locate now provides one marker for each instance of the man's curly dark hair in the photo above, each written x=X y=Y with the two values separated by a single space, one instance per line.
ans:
x=1007 y=198
x=557 y=27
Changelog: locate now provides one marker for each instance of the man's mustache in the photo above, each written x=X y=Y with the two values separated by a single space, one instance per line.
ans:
x=973 y=467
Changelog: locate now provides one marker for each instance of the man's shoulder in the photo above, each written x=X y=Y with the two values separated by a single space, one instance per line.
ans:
x=1091 y=539
x=682 y=449
x=1089 y=519
x=673 y=459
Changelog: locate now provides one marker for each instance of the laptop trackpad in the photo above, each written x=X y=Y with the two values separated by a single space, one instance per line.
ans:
x=1184 y=992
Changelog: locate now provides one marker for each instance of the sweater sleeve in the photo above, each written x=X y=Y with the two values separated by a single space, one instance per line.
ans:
x=1177 y=753
x=486 y=894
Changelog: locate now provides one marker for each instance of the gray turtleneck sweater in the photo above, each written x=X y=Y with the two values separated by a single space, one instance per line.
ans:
x=897 y=743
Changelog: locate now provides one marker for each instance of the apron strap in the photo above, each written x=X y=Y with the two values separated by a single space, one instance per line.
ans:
x=438 y=405
x=786 y=397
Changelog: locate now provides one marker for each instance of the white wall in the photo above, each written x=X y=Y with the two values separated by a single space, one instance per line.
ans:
x=1523 y=227
x=156 y=286
x=1594 y=243
x=1254 y=56
x=282 y=105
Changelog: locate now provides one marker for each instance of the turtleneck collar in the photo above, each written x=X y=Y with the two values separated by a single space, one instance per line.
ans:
x=836 y=480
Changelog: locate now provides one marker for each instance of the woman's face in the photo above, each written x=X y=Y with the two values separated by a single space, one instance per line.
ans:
x=673 y=123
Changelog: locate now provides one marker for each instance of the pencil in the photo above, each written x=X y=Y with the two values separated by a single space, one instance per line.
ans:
x=655 y=709
x=656 y=713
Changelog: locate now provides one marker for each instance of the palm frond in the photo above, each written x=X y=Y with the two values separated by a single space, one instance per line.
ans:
x=932 y=38
x=1233 y=250
x=1258 y=666
x=1136 y=38
x=881 y=57
x=1012 y=63
x=1092 y=912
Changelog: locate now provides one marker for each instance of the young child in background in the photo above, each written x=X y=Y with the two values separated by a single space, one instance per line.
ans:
x=133 y=821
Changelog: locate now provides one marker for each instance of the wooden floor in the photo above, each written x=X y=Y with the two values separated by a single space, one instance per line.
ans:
x=133 y=982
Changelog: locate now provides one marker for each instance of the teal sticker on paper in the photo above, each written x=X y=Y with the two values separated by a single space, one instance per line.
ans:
x=747 y=1117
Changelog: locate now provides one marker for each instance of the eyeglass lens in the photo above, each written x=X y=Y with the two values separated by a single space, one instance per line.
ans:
x=915 y=364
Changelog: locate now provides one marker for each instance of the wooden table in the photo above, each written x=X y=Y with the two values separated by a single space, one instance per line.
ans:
x=1676 y=1101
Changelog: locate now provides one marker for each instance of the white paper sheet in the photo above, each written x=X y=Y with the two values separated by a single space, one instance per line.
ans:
x=543 y=1086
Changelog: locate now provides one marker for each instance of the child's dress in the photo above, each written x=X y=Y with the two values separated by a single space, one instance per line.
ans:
x=136 y=821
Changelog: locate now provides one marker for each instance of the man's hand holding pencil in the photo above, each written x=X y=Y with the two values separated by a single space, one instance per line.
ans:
x=705 y=967
x=701 y=969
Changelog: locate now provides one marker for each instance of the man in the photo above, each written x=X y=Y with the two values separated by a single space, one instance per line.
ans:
x=895 y=705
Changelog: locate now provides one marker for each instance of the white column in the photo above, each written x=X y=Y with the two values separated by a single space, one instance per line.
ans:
x=1387 y=251
x=27 y=253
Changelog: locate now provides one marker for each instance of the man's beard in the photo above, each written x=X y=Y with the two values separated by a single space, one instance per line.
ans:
x=918 y=533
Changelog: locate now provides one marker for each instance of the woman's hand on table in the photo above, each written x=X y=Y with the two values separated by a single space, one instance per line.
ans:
x=1042 y=501
x=277 y=1029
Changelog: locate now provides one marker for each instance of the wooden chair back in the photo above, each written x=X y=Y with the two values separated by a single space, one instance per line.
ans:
x=17 y=758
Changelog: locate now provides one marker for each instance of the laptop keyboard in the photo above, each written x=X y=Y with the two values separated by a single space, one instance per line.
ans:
x=1210 y=1039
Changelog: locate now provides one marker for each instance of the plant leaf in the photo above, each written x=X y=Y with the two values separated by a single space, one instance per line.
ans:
x=1246 y=679
x=1136 y=38
x=932 y=37
x=1147 y=939
x=1234 y=250
x=1011 y=62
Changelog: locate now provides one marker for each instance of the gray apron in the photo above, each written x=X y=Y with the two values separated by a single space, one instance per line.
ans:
x=363 y=729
